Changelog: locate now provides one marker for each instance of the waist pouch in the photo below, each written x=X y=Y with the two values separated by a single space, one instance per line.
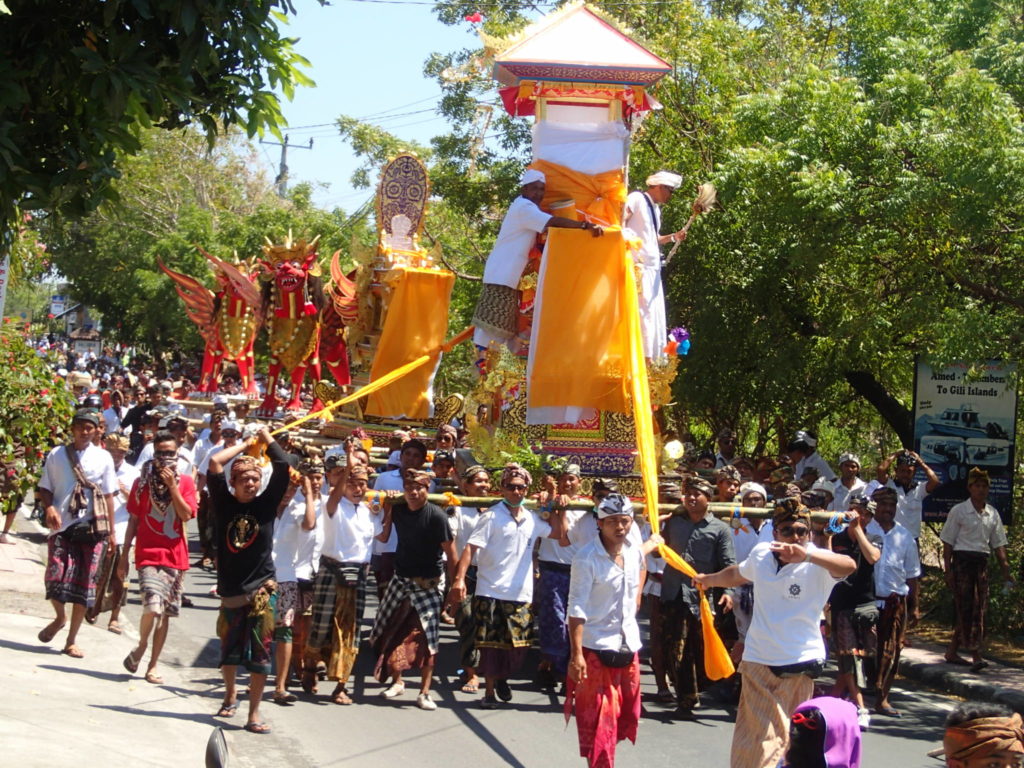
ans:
x=615 y=659
x=810 y=668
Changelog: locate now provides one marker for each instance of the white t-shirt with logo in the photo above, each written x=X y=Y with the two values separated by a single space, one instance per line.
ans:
x=787 y=609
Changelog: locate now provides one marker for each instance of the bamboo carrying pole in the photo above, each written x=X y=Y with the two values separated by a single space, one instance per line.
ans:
x=717 y=508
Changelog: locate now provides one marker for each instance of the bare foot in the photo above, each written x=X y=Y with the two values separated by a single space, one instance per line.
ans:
x=50 y=630
x=6 y=539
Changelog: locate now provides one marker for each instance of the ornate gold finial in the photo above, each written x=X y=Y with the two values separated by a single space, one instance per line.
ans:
x=290 y=250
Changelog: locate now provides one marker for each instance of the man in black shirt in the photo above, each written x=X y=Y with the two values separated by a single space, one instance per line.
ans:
x=135 y=417
x=407 y=630
x=854 y=614
x=244 y=529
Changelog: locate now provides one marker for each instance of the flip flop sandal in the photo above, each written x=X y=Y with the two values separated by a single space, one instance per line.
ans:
x=154 y=679
x=340 y=696
x=131 y=663
x=47 y=633
x=227 y=710
x=665 y=697
x=284 y=699
x=888 y=712
x=74 y=652
x=471 y=687
x=114 y=627
x=260 y=728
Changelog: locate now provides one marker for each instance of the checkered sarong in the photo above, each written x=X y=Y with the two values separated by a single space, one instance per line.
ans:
x=426 y=602
x=329 y=576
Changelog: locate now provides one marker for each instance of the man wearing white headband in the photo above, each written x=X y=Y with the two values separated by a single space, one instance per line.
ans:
x=643 y=218
x=497 y=309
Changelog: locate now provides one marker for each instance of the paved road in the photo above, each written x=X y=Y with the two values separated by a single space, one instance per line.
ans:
x=530 y=732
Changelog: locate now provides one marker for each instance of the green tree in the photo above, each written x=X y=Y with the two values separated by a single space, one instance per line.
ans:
x=80 y=81
x=176 y=194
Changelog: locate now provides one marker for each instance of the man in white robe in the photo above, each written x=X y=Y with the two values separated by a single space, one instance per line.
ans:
x=643 y=218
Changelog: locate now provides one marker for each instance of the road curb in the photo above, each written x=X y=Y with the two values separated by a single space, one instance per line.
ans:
x=940 y=677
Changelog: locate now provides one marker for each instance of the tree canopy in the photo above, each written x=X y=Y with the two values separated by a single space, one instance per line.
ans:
x=80 y=81
x=868 y=156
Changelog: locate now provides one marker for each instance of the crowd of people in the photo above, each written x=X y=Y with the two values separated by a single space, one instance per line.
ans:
x=298 y=535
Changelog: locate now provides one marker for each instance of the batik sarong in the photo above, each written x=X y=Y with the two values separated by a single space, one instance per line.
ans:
x=683 y=644
x=892 y=624
x=246 y=631
x=551 y=602
x=72 y=569
x=607 y=708
x=161 y=589
x=970 y=597
x=496 y=311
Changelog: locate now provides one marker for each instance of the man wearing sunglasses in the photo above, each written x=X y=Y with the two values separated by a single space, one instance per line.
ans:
x=784 y=649
x=503 y=542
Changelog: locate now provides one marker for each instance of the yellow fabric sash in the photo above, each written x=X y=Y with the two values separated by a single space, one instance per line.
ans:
x=717 y=664
x=601 y=196
x=430 y=356
x=417 y=319
x=578 y=356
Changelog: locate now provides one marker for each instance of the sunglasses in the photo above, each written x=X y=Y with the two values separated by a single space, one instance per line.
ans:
x=794 y=530
x=516 y=488
x=414 y=486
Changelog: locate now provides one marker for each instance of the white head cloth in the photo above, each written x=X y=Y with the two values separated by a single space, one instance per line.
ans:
x=530 y=175
x=665 y=179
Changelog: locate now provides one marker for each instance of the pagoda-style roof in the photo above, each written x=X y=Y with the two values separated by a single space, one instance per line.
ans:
x=576 y=44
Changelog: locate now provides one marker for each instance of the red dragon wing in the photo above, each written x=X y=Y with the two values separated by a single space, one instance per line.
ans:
x=245 y=288
x=199 y=301
x=342 y=291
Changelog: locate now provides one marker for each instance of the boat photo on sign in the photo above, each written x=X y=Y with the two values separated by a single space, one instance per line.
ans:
x=965 y=416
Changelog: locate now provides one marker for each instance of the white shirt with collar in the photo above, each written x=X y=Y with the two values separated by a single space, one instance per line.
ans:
x=817 y=462
x=505 y=554
x=519 y=229
x=900 y=561
x=388 y=481
x=785 y=627
x=638 y=219
x=126 y=475
x=297 y=550
x=112 y=417
x=908 y=505
x=186 y=459
x=462 y=522
x=967 y=530
x=349 y=534
x=604 y=595
x=59 y=478
x=841 y=494
x=550 y=551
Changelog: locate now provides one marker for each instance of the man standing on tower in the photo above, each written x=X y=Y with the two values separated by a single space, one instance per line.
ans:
x=643 y=217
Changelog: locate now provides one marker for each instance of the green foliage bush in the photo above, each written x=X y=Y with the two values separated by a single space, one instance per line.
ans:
x=35 y=412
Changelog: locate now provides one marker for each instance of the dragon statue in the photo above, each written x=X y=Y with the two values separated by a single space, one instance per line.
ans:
x=227 y=319
x=305 y=322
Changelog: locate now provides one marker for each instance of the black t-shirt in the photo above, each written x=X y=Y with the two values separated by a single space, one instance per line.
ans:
x=245 y=532
x=420 y=535
x=859 y=587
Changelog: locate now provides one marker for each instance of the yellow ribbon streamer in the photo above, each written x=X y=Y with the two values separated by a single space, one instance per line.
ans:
x=717 y=664
x=383 y=381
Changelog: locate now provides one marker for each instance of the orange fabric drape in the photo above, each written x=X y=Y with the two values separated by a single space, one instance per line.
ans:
x=601 y=196
x=429 y=359
x=417 y=320
x=578 y=356
x=717 y=664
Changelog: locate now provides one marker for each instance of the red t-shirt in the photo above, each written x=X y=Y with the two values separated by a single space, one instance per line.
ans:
x=160 y=540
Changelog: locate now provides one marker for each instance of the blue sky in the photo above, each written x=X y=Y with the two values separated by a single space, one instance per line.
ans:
x=367 y=60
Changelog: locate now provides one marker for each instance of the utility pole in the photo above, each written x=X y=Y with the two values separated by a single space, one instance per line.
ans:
x=282 y=172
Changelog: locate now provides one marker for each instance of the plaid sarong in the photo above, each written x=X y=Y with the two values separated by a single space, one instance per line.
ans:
x=426 y=602
x=71 y=570
x=330 y=575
